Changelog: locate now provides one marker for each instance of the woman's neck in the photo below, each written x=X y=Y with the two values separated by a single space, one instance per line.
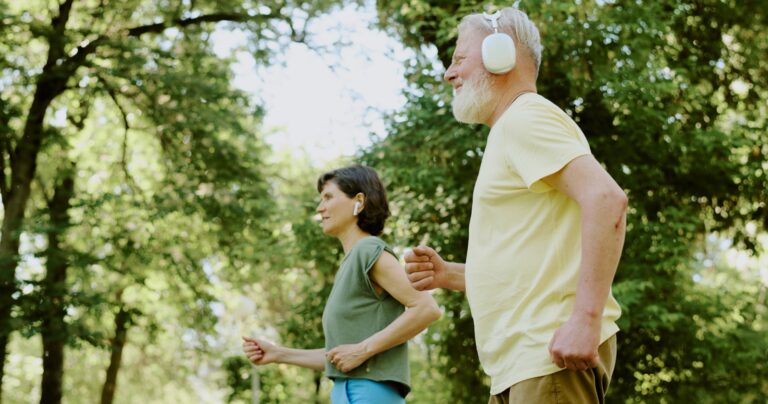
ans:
x=350 y=237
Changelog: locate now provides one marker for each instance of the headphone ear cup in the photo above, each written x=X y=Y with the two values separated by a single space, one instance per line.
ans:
x=499 y=54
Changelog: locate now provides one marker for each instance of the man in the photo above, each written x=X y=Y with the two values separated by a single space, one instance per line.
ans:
x=545 y=235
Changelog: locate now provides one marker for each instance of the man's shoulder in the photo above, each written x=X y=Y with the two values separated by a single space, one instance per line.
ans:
x=532 y=110
x=537 y=103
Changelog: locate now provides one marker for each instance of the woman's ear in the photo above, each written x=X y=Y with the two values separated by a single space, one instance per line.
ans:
x=359 y=203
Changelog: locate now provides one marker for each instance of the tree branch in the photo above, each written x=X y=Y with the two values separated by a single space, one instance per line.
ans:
x=43 y=190
x=79 y=55
x=126 y=127
x=215 y=17
x=59 y=26
x=59 y=22
x=299 y=36
x=3 y=184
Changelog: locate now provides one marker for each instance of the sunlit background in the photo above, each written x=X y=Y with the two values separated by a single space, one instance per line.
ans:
x=171 y=204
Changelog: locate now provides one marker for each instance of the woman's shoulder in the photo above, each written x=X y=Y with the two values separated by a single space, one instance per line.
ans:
x=367 y=252
x=371 y=242
x=372 y=246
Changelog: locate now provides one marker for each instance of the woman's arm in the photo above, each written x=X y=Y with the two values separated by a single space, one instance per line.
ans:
x=262 y=352
x=420 y=310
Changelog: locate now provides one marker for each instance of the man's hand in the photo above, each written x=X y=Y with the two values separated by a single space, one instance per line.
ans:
x=347 y=357
x=260 y=352
x=574 y=345
x=426 y=269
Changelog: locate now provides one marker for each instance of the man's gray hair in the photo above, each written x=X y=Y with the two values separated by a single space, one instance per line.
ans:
x=514 y=23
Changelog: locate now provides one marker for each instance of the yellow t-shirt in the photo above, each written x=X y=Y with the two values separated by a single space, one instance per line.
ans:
x=524 y=254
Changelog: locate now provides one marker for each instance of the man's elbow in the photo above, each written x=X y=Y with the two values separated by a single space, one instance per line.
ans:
x=611 y=198
x=620 y=200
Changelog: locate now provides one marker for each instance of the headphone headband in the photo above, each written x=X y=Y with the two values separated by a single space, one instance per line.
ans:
x=494 y=19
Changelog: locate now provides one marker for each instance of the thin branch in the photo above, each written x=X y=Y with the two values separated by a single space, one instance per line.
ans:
x=48 y=199
x=78 y=121
x=215 y=17
x=78 y=58
x=11 y=159
x=126 y=127
x=298 y=36
x=3 y=185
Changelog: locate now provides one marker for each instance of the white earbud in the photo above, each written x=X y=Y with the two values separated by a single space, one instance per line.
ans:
x=498 y=50
x=357 y=206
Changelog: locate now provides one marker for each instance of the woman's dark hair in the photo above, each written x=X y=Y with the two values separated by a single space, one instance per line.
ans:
x=361 y=179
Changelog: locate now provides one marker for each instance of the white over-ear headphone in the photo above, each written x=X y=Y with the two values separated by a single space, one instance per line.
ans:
x=357 y=206
x=499 y=55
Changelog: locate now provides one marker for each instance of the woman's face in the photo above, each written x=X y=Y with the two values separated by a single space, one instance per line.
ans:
x=335 y=209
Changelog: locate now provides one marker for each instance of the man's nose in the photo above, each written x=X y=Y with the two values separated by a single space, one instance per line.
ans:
x=450 y=74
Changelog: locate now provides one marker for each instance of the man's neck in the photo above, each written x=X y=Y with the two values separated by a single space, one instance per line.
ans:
x=508 y=96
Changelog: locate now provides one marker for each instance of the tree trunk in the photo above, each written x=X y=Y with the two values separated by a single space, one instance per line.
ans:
x=54 y=329
x=50 y=84
x=121 y=331
x=22 y=172
x=255 y=385
x=318 y=383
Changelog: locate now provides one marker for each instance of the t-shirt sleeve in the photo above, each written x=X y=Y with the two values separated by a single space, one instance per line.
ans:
x=540 y=142
x=370 y=251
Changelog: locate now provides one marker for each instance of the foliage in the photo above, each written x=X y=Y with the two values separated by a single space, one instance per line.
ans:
x=303 y=275
x=183 y=216
x=171 y=180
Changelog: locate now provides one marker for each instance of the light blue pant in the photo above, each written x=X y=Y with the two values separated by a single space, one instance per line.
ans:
x=364 y=391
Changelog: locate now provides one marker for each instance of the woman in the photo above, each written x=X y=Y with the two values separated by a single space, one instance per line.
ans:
x=372 y=310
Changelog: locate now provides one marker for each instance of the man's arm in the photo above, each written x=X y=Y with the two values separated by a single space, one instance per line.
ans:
x=427 y=270
x=603 y=224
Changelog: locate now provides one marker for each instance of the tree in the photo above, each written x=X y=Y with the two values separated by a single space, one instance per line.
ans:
x=53 y=310
x=295 y=288
x=122 y=319
x=669 y=94
x=153 y=63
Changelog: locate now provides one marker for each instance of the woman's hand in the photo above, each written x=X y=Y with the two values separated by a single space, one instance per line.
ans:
x=347 y=357
x=260 y=352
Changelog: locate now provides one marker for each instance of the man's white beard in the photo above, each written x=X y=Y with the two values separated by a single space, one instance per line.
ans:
x=473 y=103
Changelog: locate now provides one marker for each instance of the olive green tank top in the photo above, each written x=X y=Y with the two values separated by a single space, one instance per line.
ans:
x=354 y=312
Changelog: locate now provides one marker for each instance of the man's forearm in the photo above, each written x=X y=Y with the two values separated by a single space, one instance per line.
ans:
x=602 y=238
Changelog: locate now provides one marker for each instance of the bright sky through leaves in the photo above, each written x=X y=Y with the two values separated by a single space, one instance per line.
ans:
x=326 y=104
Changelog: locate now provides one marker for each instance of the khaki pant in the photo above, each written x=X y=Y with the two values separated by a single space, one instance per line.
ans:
x=565 y=386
